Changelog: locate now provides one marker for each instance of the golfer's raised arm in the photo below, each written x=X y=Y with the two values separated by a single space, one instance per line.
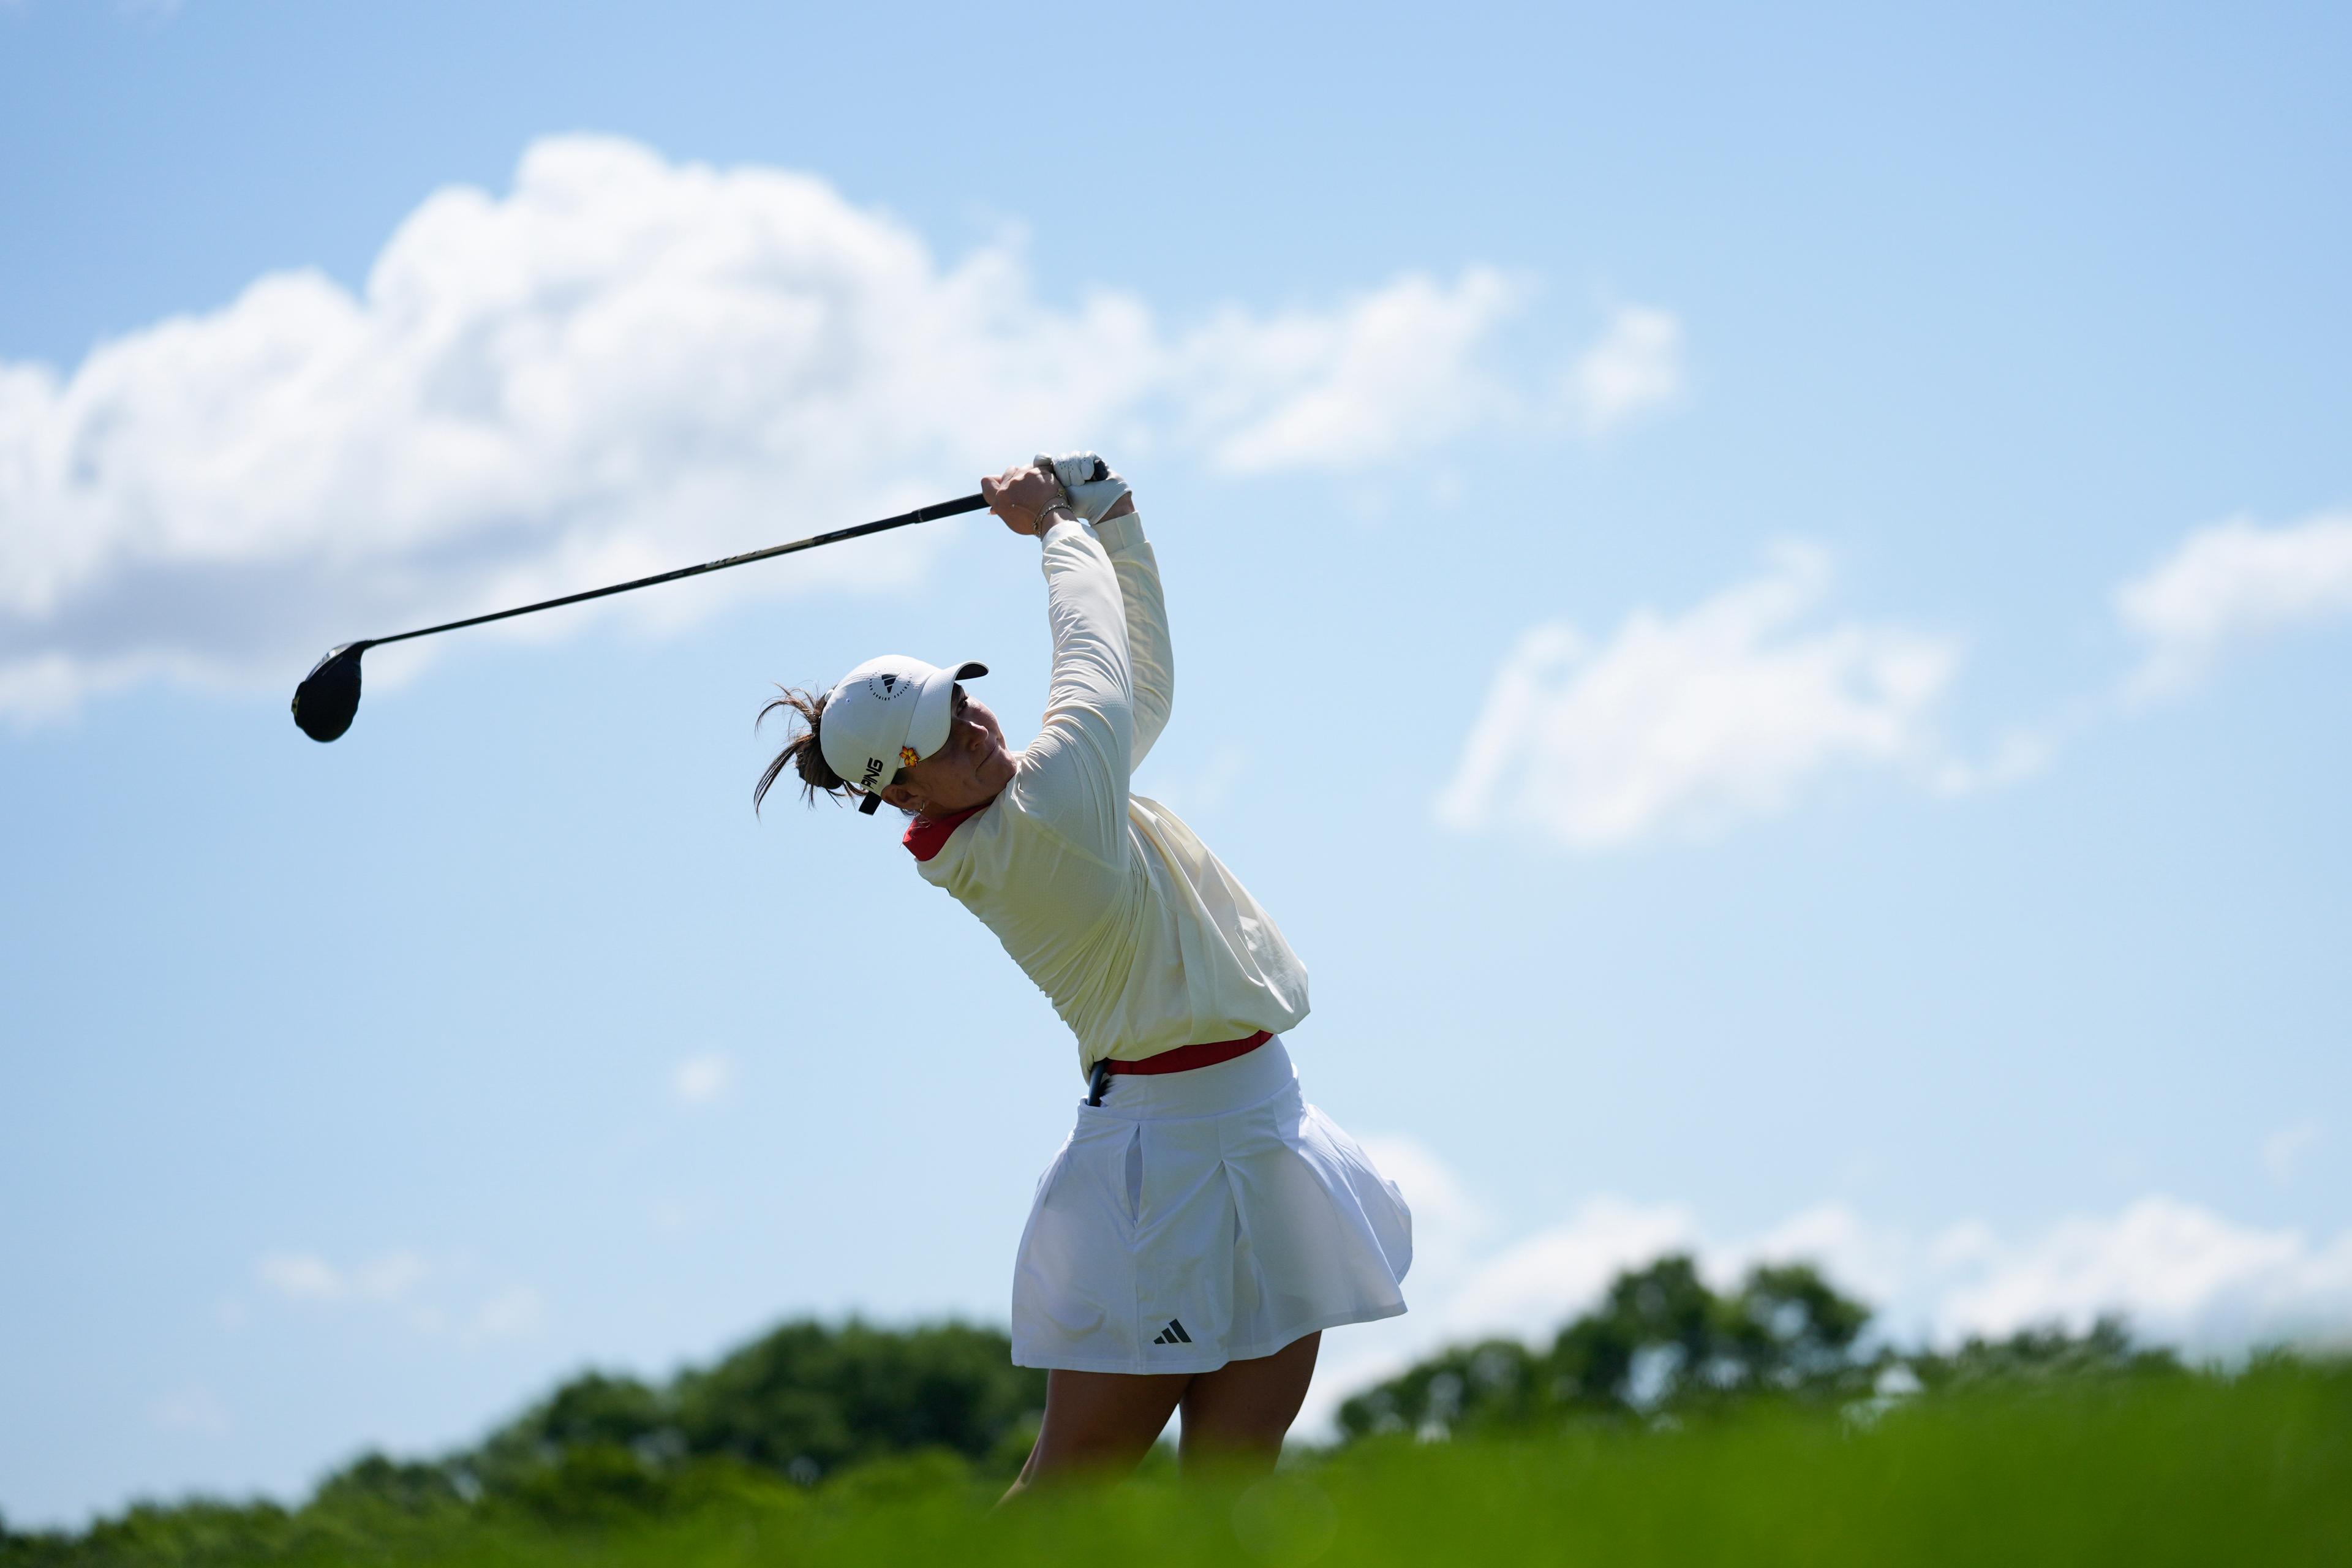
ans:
x=1072 y=777
x=1151 y=659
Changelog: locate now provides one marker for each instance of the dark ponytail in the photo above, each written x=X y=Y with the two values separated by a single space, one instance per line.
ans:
x=801 y=751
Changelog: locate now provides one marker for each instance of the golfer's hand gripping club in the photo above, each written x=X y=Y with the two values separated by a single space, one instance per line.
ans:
x=1021 y=495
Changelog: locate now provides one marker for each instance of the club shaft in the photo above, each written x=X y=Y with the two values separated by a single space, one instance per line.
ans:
x=905 y=519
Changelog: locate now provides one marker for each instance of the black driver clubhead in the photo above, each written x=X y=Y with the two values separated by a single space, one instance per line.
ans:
x=329 y=695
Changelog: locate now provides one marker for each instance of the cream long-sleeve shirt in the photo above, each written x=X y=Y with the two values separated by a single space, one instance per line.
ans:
x=1137 y=935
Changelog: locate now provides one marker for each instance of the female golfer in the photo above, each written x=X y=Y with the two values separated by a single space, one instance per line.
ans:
x=1203 y=1225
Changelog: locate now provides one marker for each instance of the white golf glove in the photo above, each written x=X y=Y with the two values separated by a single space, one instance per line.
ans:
x=1087 y=480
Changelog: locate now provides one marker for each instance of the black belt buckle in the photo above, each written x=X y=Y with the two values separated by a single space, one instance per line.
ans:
x=1098 y=1080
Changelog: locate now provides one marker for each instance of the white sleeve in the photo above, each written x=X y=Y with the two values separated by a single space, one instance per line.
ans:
x=1150 y=655
x=1072 y=777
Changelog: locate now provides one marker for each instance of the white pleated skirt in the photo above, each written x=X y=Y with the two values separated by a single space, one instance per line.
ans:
x=1200 y=1218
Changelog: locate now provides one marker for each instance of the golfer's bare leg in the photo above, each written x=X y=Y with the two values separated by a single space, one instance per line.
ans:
x=1235 y=1417
x=1098 y=1425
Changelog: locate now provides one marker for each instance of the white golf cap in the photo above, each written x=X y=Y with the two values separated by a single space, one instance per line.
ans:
x=886 y=714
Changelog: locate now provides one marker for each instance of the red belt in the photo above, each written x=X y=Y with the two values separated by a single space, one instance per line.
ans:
x=1184 y=1058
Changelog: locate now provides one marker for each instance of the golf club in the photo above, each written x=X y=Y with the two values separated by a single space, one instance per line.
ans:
x=328 y=697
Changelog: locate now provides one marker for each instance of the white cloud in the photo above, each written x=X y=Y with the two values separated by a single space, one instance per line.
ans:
x=625 y=365
x=2284 y=1147
x=388 y=1278
x=2180 y=1274
x=1635 y=367
x=1529 y=1286
x=1388 y=371
x=1198 y=791
x=425 y=1297
x=1448 y=1223
x=306 y=1277
x=1534 y=1283
x=513 y=1313
x=2017 y=756
x=1688 y=723
x=2231 y=584
x=300 y=1277
x=702 y=1080
x=1873 y=1261
x=1966 y=1245
x=195 y=1409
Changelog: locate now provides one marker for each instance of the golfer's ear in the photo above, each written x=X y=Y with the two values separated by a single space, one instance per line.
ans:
x=902 y=797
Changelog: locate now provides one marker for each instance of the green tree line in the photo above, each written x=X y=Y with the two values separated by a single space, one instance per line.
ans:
x=1661 y=1344
x=864 y=1409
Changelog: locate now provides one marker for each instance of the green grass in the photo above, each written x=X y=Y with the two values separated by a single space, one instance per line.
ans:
x=2170 y=1469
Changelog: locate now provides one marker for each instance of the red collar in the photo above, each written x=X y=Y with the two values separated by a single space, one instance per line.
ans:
x=929 y=834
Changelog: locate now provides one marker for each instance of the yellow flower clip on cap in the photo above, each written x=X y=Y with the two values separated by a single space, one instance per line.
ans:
x=888 y=707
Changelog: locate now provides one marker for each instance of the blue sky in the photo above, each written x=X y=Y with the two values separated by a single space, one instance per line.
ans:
x=1768 y=599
